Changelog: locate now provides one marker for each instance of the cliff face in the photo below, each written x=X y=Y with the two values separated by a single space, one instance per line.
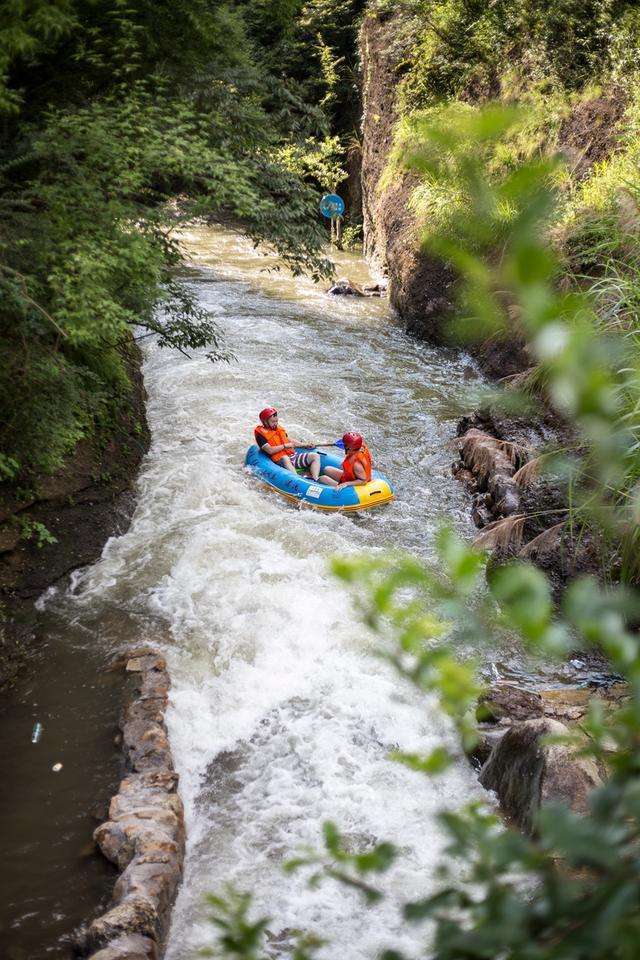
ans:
x=590 y=127
x=419 y=286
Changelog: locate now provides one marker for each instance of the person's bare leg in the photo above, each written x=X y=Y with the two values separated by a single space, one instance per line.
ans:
x=314 y=465
x=286 y=463
x=331 y=476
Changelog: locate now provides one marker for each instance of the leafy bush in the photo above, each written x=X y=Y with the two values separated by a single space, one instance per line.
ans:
x=110 y=112
x=464 y=48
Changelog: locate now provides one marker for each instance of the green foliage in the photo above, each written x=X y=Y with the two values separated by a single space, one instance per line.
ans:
x=110 y=112
x=463 y=48
x=317 y=160
x=238 y=937
x=345 y=866
x=33 y=530
x=352 y=236
x=571 y=890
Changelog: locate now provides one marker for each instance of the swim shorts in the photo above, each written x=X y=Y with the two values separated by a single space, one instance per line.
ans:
x=302 y=460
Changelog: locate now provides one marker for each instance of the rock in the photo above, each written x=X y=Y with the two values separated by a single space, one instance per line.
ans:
x=480 y=511
x=9 y=537
x=140 y=664
x=484 y=455
x=135 y=916
x=346 y=288
x=504 y=494
x=121 y=659
x=465 y=476
x=144 y=835
x=527 y=774
x=128 y=947
x=571 y=703
x=505 y=700
x=488 y=737
x=375 y=289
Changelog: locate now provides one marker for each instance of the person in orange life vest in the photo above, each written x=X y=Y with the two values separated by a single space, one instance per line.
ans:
x=273 y=440
x=356 y=466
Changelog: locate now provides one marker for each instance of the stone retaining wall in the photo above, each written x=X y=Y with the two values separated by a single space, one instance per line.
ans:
x=144 y=835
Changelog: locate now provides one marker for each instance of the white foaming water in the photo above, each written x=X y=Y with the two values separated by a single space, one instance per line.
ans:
x=280 y=715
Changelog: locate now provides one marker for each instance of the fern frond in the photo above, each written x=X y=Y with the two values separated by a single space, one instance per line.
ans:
x=502 y=534
x=529 y=472
x=545 y=541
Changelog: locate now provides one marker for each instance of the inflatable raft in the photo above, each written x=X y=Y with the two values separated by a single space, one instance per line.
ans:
x=299 y=489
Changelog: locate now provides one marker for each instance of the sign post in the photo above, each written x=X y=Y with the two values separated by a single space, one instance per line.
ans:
x=332 y=207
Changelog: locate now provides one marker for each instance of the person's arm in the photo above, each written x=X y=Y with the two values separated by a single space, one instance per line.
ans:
x=270 y=449
x=361 y=477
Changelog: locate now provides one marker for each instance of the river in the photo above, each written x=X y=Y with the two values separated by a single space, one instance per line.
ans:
x=281 y=717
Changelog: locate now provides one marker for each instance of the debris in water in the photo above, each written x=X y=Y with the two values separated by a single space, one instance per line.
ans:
x=57 y=767
x=37 y=732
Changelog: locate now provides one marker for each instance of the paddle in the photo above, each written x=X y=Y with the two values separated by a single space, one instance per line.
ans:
x=328 y=443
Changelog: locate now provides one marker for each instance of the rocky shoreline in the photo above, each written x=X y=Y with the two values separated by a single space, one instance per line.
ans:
x=144 y=835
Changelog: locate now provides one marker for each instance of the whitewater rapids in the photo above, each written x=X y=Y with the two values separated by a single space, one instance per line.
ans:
x=280 y=716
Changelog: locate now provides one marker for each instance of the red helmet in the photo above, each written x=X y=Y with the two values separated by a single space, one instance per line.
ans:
x=353 y=440
x=266 y=413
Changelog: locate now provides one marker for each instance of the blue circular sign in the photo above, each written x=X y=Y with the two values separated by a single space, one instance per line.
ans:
x=331 y=205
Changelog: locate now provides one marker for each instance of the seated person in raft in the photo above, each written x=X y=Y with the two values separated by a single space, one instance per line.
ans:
x=356 y=466
x=273 y=441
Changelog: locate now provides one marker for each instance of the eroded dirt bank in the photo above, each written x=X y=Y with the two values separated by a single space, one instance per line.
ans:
x=493 y=447
x=420 y=286
x=83 y=504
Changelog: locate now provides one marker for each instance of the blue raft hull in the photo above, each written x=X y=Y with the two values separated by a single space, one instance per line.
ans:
x=299 y=489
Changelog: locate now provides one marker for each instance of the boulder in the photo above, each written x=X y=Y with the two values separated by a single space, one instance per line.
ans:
x=505 y=494
x=526 y=773
x=135 y=916
x=488 y=737
x=375 y=289
x=505 y=701
x=480 y=511
x=346 y=288
x=492 y=464
x=465 y=476
x=128 y=947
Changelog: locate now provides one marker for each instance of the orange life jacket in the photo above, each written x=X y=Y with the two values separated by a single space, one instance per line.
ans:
x=274 y=438
x=361 y=456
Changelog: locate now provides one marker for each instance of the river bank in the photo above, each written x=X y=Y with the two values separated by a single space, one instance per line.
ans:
x=61 y=522
x=520 y=510
x=52 y=676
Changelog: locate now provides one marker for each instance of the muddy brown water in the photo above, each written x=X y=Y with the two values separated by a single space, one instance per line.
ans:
x=51 y=877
